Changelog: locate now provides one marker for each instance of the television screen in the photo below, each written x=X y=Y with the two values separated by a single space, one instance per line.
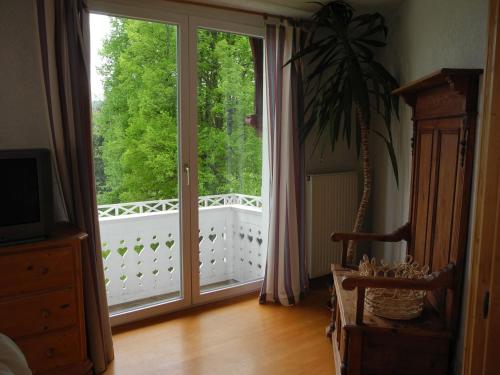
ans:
x=19 y=191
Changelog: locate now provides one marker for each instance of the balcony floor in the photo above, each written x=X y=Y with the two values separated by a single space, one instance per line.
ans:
x=232 y=337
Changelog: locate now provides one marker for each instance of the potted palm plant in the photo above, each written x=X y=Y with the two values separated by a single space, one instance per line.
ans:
x=347 y=86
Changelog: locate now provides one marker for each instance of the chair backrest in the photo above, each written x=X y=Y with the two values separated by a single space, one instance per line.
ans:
x=444 y=122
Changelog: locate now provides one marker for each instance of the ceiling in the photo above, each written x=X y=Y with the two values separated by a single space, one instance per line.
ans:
x=298 y=8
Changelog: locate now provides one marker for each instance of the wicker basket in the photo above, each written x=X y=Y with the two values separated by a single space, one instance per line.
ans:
x=400 y=304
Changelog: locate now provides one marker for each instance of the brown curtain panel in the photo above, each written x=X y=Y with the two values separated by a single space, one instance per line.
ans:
x=257 y=46
x=63 y=27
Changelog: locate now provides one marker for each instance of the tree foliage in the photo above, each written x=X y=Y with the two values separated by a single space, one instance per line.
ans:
x=135 y=126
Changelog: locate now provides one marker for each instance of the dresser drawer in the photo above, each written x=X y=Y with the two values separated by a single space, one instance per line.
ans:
x=39 y=313
x=52 y=350
x=36 y=270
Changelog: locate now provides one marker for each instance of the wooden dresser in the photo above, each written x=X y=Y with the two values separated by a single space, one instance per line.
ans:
x=41 y=302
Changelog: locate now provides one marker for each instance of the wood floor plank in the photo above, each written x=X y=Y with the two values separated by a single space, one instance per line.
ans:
x=238 y=337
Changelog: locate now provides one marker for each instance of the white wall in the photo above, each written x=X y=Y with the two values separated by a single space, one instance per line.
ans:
x=424 y=35
x=320 y=159
x=22 y=121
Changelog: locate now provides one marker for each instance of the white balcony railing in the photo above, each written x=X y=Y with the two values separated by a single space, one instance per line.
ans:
x=165 y=205
x=141 y=245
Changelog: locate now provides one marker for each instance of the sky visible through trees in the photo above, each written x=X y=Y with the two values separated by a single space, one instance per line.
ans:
x=135 y=124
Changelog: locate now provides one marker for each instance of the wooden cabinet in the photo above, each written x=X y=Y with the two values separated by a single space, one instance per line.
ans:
x=41 y=302
x=444 y=122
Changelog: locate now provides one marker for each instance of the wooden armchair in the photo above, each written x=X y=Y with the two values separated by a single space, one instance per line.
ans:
x=444 y=114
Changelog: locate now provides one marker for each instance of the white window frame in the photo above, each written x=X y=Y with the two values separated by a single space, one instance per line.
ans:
x=188 y=18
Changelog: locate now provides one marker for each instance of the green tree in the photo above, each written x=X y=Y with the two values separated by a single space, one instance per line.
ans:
x=135 y=128
x=138 y=117
x=229 y=150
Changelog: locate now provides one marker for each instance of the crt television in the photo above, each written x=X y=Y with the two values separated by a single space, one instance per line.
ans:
x=26 y=210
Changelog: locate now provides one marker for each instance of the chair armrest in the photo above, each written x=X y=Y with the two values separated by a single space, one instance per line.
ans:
x=443 y=278
x=439 y=279
x=402 y=233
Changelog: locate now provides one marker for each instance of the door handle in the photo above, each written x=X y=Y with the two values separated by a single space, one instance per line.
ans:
x=186 y=170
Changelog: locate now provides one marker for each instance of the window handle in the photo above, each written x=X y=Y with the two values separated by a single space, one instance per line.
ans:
x=186 y=170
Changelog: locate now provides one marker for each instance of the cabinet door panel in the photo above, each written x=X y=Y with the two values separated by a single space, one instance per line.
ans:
x=444 y=209
x=422 y=194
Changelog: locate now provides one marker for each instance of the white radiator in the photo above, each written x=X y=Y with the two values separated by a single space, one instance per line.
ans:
x=331 y=204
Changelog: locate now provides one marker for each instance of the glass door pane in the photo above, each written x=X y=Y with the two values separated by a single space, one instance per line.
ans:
x=136 y=158
x=229 y=147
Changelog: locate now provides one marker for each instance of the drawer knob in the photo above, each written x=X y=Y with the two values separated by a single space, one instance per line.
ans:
x=45 y=313
x=50 y=352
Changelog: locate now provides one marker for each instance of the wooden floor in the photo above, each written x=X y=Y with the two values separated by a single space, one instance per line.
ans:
x=237 y=337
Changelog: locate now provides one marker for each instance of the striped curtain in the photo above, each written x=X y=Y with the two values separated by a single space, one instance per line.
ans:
x=63 y=31
x=285 y=280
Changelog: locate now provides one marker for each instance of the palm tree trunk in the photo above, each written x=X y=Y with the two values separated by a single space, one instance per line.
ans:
x=367 y=183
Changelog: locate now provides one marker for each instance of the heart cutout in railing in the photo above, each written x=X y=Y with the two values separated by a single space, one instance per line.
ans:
x=139 y=275
x=242 y=235
x=105 y=254
x=123 y=278
x=170 y=243
x=250 y=238
x=212 y=237
x=171 y=269
x=200 y=239
x=155 y=272
x=259 y=241
x=138 y=249
x=122 y=250
x=154 y=246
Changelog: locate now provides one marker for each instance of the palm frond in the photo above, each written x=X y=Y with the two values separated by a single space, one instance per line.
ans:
x=345 y=77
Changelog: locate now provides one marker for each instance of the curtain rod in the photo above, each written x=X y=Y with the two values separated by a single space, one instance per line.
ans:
x=233 y=9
